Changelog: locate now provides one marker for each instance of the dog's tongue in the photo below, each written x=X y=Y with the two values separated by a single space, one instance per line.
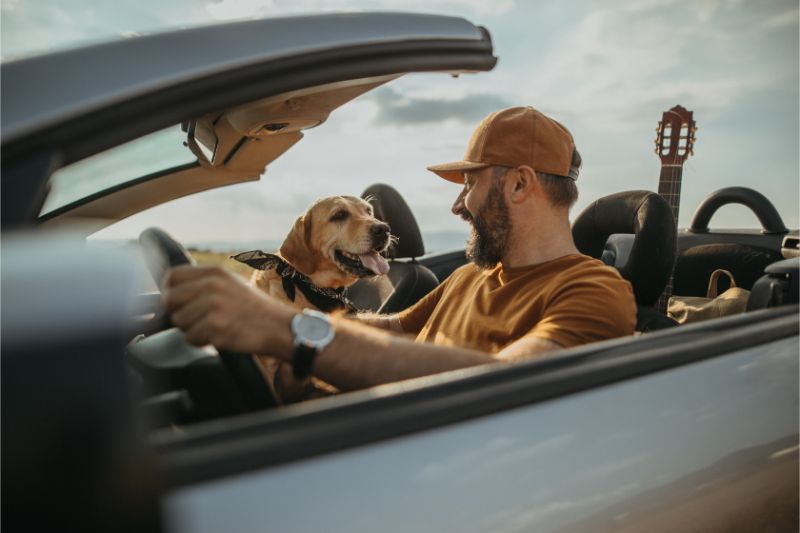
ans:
x=375 y=262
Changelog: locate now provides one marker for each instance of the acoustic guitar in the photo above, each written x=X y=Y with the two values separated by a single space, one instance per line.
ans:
x=675 y=137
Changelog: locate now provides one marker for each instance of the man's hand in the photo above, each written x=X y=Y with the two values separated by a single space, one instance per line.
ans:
x=214 y=306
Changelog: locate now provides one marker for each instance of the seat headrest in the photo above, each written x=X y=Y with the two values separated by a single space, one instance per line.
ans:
x=648 y=216
x=390 y=207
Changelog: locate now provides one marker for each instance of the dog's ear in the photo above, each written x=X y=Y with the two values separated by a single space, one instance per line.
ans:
x=297 y=250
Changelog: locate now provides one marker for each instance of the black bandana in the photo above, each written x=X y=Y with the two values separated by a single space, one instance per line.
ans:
x=324 y=298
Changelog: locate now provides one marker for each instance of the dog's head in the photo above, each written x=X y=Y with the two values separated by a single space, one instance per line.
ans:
x=337 y=241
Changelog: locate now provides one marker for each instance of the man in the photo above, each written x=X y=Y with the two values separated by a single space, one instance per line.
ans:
x=527 y=291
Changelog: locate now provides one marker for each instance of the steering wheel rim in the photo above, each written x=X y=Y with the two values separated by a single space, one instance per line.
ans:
x=162 y=252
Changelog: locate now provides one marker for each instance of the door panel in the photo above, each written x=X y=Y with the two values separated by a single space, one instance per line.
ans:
x=707 y=446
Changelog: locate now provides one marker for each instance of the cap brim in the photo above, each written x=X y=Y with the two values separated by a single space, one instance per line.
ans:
x=455 y=171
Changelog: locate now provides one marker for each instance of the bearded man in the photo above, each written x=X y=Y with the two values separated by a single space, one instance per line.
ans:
x=526 y=292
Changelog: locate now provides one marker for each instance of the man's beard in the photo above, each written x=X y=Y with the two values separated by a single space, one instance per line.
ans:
x=491 y=226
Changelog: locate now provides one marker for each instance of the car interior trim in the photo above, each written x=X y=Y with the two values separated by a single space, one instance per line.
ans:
x=94 y=132
x=191 y=54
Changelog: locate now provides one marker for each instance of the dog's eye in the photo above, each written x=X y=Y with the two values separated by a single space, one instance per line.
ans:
x=340 y=216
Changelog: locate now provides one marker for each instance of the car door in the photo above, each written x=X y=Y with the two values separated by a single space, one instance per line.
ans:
x=692 y=429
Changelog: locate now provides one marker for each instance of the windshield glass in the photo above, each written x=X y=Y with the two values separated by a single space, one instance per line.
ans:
x=606 y=70
x=144 y=156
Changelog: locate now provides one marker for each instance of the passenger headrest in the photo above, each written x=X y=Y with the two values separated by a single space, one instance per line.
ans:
x=390 y=207
x=648 y=216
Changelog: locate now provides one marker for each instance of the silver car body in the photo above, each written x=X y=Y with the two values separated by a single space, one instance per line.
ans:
x=658 y=453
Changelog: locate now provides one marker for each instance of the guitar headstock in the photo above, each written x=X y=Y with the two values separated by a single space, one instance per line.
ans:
x=675 y=136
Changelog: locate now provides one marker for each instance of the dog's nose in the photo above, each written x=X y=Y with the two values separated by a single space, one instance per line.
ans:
x=380 y=231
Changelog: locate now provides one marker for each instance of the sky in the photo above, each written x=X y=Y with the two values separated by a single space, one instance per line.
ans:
x=605 y=69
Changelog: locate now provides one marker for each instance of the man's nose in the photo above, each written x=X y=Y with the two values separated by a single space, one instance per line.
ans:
x=458 y=205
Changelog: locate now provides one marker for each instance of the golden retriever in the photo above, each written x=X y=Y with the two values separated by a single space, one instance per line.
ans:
x=333 y=244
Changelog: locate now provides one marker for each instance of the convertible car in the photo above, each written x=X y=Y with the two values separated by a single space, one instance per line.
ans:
x=112 y=422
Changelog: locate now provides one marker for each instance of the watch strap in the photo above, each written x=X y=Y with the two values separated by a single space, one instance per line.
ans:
x=302 y=359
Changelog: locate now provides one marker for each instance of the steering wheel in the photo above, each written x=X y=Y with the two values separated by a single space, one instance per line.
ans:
x=162 y=252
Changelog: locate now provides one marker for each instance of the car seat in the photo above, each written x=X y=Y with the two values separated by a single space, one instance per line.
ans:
x=407 y=281
x=746 y=261
x=649 y=218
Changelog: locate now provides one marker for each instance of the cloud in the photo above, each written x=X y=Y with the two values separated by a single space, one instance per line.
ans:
x=787 y=19
x=616 y=61
x=9 y=5
x=397 y=109
x=237 y=9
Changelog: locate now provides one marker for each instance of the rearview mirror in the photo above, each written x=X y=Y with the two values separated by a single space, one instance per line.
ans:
x=202 y=140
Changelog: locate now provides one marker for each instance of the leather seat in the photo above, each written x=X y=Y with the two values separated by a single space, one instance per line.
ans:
x=746 y=262
x=649 y=218
x=407 y=281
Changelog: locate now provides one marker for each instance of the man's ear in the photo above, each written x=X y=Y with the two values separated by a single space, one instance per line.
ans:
x=296 y=249
x=522 y=183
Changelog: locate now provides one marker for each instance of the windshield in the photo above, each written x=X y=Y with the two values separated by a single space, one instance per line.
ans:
x=606 y=70
x=144 y=156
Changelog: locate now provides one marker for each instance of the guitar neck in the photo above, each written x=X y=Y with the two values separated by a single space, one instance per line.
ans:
x=669 y=187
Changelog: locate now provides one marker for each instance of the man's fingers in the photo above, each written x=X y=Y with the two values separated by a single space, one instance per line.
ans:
x=183 y=287
x=178 y=296
x=193 y=311
x=214 y=306
x=198 y=335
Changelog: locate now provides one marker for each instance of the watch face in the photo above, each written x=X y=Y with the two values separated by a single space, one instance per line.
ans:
x=314 y=329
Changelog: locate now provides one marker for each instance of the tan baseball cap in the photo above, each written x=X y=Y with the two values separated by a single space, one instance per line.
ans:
x=513 y=137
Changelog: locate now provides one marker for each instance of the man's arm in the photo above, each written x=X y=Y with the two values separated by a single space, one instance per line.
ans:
x=386 y=322
x=361 y=357
x=215 y=307
x=527 y=348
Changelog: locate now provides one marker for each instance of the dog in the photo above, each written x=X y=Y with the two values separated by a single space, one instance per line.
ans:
x=336 y=242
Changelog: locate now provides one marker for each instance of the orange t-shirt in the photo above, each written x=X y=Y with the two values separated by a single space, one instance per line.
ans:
x=571 y=300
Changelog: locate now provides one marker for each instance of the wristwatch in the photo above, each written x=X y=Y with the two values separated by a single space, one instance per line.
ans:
x=312 y=332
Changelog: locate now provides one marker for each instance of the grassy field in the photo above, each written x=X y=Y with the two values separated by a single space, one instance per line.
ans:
x=205 y=258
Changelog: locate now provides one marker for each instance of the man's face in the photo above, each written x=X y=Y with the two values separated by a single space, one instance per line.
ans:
x=481 y=202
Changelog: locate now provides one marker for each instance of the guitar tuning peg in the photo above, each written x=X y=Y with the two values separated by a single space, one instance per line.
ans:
x=691 y=151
